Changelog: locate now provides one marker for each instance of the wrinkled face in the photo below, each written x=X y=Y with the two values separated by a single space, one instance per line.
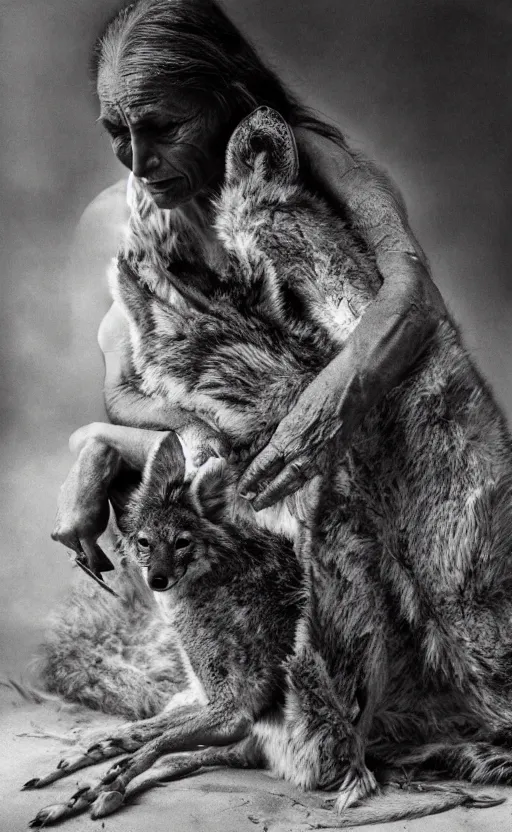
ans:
x=173 y=552
x=176 y=142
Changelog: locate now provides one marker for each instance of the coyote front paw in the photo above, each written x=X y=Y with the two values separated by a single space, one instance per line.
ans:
x=56 y=812
x=102 y=799
x=97 y=753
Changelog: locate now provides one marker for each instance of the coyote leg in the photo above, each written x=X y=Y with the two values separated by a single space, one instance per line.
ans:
x=128 y=738
x=240 y=755
x=339 y=670
x=204 y=726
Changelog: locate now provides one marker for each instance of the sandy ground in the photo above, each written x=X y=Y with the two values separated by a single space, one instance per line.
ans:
x=34 y=739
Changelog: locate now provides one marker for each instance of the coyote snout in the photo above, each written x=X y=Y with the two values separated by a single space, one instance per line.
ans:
x=167 y=559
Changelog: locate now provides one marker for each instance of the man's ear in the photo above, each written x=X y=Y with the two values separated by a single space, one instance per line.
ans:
x=165 y=469
x=209 y=490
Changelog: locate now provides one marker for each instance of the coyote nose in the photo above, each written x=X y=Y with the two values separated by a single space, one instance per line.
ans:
x=158 y=581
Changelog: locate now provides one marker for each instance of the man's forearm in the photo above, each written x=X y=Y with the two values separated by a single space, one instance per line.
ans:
x=131 y=412
x=385 y=345
x=406 y=311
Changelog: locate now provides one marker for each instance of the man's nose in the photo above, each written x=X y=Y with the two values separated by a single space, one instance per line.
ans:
x=145 y=159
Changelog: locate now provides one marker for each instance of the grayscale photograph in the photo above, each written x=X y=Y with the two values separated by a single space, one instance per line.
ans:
x=256 y=415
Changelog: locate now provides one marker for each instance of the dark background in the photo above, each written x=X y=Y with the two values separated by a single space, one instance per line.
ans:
x=423 y=86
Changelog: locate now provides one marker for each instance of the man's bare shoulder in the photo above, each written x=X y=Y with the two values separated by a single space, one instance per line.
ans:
x=104 y=219
x=327 y=159
x=109 y=207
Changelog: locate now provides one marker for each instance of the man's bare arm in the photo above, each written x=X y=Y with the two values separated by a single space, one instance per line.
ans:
x=102 y=449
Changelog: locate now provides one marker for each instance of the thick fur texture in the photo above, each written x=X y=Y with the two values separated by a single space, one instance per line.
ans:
x=409 y=618
x=116 y=655
x=233 y=591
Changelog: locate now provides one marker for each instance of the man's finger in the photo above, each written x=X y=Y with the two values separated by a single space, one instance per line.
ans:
x=96 y=557
x=267 y=464
x=293 y=475
x=68 y=539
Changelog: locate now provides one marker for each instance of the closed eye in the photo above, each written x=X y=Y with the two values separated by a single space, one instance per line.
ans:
x=120 y=140
x=114 y=129
x=164 y=127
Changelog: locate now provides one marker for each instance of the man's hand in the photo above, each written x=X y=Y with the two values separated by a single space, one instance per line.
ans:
x=83 y=507
x=297 y=451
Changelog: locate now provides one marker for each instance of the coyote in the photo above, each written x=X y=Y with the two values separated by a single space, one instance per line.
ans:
x=233 y=593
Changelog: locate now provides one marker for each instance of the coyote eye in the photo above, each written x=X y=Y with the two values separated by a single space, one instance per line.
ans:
x=143 y=544
x=182 y=541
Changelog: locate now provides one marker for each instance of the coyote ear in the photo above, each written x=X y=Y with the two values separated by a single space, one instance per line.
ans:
x=165 y=469
x=208 y=490
x=263 y=143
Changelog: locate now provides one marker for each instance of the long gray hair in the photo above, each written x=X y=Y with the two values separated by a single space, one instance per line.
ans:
x=192 y=44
